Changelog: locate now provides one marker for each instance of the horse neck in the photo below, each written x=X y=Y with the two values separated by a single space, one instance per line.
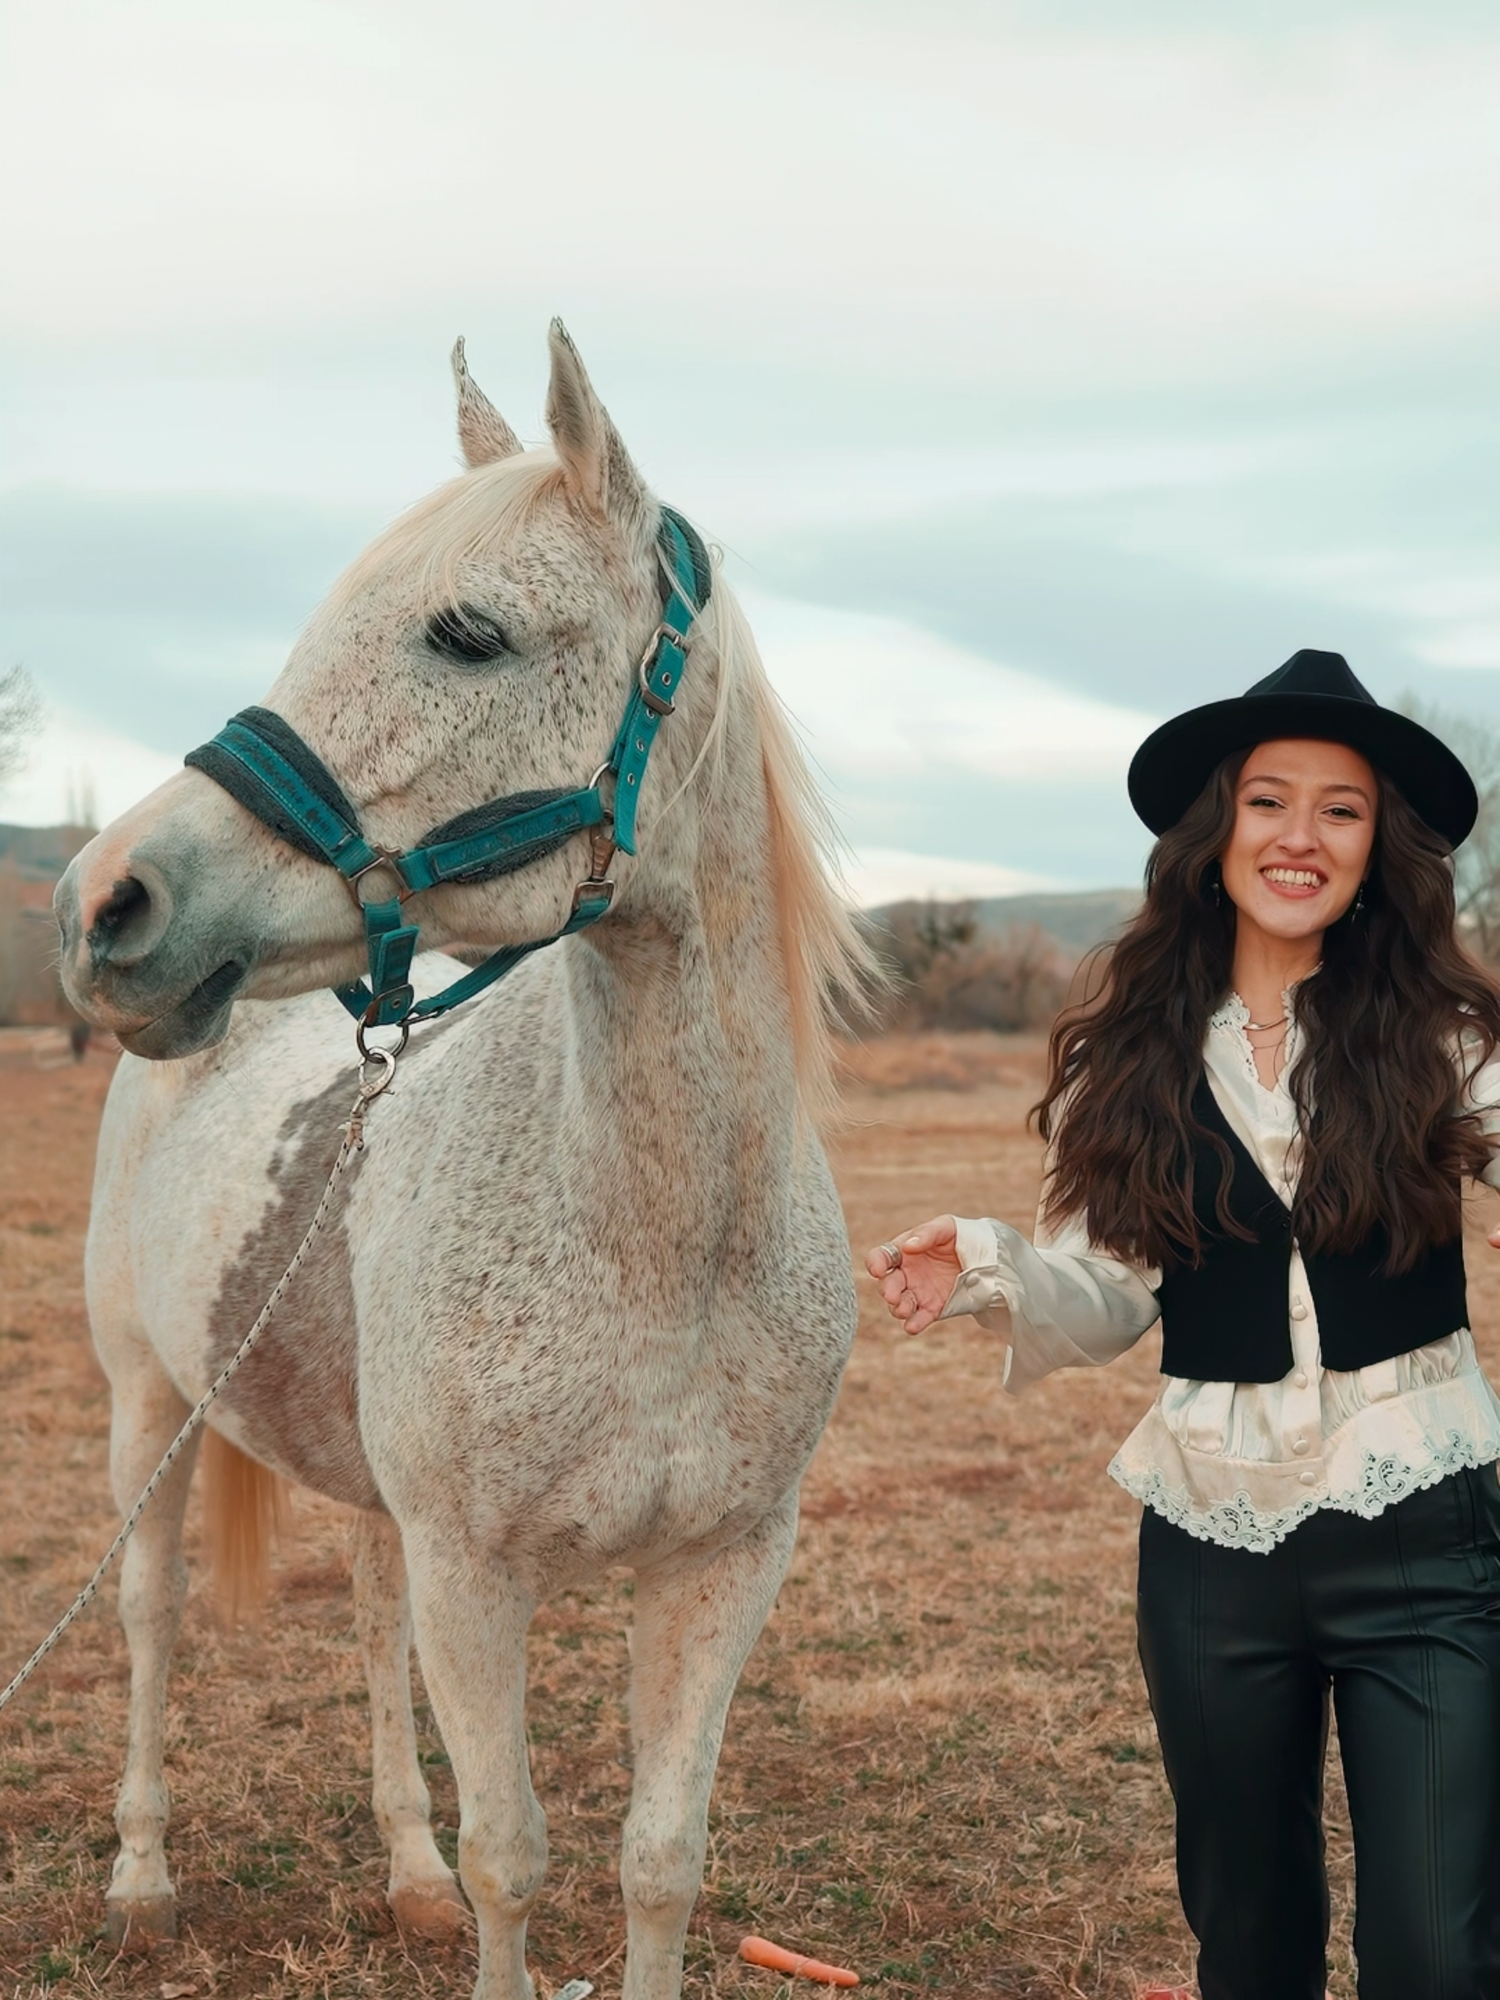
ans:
x=682 y=1035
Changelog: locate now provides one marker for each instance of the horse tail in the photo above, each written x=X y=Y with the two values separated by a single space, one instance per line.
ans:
x=244 y=1509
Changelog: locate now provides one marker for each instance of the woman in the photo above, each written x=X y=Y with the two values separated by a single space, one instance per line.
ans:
x=1257 y=1134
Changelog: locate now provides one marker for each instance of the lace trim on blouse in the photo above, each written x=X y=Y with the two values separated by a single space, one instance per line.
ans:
x=1239 y=1524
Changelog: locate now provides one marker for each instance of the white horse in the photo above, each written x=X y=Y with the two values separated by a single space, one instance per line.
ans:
x=587 y=1298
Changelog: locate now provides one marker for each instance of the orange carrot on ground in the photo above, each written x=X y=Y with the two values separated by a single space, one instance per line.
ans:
x=760 y=1951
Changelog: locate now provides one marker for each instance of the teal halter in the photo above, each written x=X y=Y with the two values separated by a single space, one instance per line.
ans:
x=263 y=763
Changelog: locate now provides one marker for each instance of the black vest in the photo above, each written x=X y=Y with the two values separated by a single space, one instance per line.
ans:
x=1226 y=1321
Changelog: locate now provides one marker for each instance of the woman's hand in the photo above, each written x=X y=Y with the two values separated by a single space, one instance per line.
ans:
x=919 y=1281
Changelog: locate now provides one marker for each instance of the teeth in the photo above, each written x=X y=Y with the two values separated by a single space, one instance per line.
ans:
x=1295 y=878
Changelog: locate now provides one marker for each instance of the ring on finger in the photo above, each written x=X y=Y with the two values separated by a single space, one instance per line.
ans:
x=892 y=1255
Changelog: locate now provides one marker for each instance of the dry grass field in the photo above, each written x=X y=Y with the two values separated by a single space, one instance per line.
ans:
x=939 y=1767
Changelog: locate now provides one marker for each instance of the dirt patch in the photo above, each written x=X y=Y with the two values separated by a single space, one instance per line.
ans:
x=939 y=1768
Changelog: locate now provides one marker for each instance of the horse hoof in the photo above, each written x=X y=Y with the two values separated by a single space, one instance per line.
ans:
x=138 y=1922
x=431 y=1909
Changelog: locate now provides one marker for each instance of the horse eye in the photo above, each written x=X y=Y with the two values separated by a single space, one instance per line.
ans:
x=462 y=633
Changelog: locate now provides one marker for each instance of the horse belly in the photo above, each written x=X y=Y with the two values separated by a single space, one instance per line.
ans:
x=568 y=1438
x=740 y=1429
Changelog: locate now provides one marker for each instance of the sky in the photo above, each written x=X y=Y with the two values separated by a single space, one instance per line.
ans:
x=1042 y=366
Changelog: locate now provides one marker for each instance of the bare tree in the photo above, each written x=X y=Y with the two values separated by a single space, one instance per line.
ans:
x=20 y=718
x=1476 y=866
x=83 y=800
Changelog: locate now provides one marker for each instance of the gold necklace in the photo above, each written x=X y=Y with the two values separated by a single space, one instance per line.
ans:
x=1259 y=1027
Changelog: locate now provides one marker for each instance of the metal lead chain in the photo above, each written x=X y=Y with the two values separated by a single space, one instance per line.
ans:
x=370 y=1087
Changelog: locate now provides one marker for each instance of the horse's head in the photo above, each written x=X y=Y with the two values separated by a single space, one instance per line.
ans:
x=485 y=646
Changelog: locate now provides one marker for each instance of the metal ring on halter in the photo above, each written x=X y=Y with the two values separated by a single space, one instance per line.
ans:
x=388 y=858
x=375 y=1053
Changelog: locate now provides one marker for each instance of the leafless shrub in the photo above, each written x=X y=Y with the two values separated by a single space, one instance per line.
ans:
x=948 y=974
x=912 y=937
x=1017 y=982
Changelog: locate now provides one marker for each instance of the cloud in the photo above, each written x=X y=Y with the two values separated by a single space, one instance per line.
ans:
x=889 y=701
x=880 y=875
x=190 y=557
x=855 y=190
x=928 y=748
x=1367 y=533
x=157 y=615
x=1445 y=600
x=1101 y=355
x=76 y=767
x=1469 y=644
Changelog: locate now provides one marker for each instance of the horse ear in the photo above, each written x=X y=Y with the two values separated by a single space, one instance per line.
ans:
x=482 y=431
x=596 y=465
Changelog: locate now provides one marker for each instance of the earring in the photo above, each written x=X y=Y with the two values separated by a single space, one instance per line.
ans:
x=1215 y=887
x=1356 y=908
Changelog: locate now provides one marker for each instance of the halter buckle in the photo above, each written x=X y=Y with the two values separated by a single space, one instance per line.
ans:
x=599 y=887
x=659 y=704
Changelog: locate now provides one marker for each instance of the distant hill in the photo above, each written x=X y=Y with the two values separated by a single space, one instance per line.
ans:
x=1078 y=921
x=41 y=853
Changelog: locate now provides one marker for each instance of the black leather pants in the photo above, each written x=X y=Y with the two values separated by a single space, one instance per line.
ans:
x=1400 y=1617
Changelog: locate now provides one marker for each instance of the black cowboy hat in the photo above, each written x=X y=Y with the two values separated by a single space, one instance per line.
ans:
x=1314 y=695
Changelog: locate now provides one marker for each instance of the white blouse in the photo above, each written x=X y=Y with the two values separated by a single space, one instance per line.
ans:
x=1236 y=1463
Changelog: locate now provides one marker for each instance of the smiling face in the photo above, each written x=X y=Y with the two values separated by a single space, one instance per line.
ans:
x=1303 y=830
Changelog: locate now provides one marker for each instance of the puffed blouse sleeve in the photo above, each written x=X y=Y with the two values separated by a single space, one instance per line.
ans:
x=1482 y=1094
x=1058 y=1301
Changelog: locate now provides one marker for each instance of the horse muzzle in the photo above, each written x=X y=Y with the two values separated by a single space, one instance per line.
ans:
x=133 y=962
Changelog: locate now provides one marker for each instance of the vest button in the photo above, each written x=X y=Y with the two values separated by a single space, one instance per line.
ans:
x=1299 y=1445
x=1308 y=1478
x=1300 y=1378
x=1299 y=1309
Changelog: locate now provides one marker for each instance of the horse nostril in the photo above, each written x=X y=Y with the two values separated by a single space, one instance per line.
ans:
x=125 y=924
x=125 y=898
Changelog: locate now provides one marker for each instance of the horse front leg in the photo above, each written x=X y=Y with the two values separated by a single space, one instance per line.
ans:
x=147 y=1414
x=694 y=1626
x=471 y=1621
x=422 y=1893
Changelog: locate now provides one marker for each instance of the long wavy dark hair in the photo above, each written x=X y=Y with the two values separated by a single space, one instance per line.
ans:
x=1385 y=1137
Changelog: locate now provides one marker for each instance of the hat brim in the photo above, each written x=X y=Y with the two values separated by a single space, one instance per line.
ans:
x=1176 y=761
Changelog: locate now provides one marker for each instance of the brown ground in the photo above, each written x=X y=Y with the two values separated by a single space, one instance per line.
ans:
x=939 y=1768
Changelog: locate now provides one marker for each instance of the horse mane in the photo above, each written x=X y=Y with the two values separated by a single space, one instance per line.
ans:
x=460 y=522
x=830 y=968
